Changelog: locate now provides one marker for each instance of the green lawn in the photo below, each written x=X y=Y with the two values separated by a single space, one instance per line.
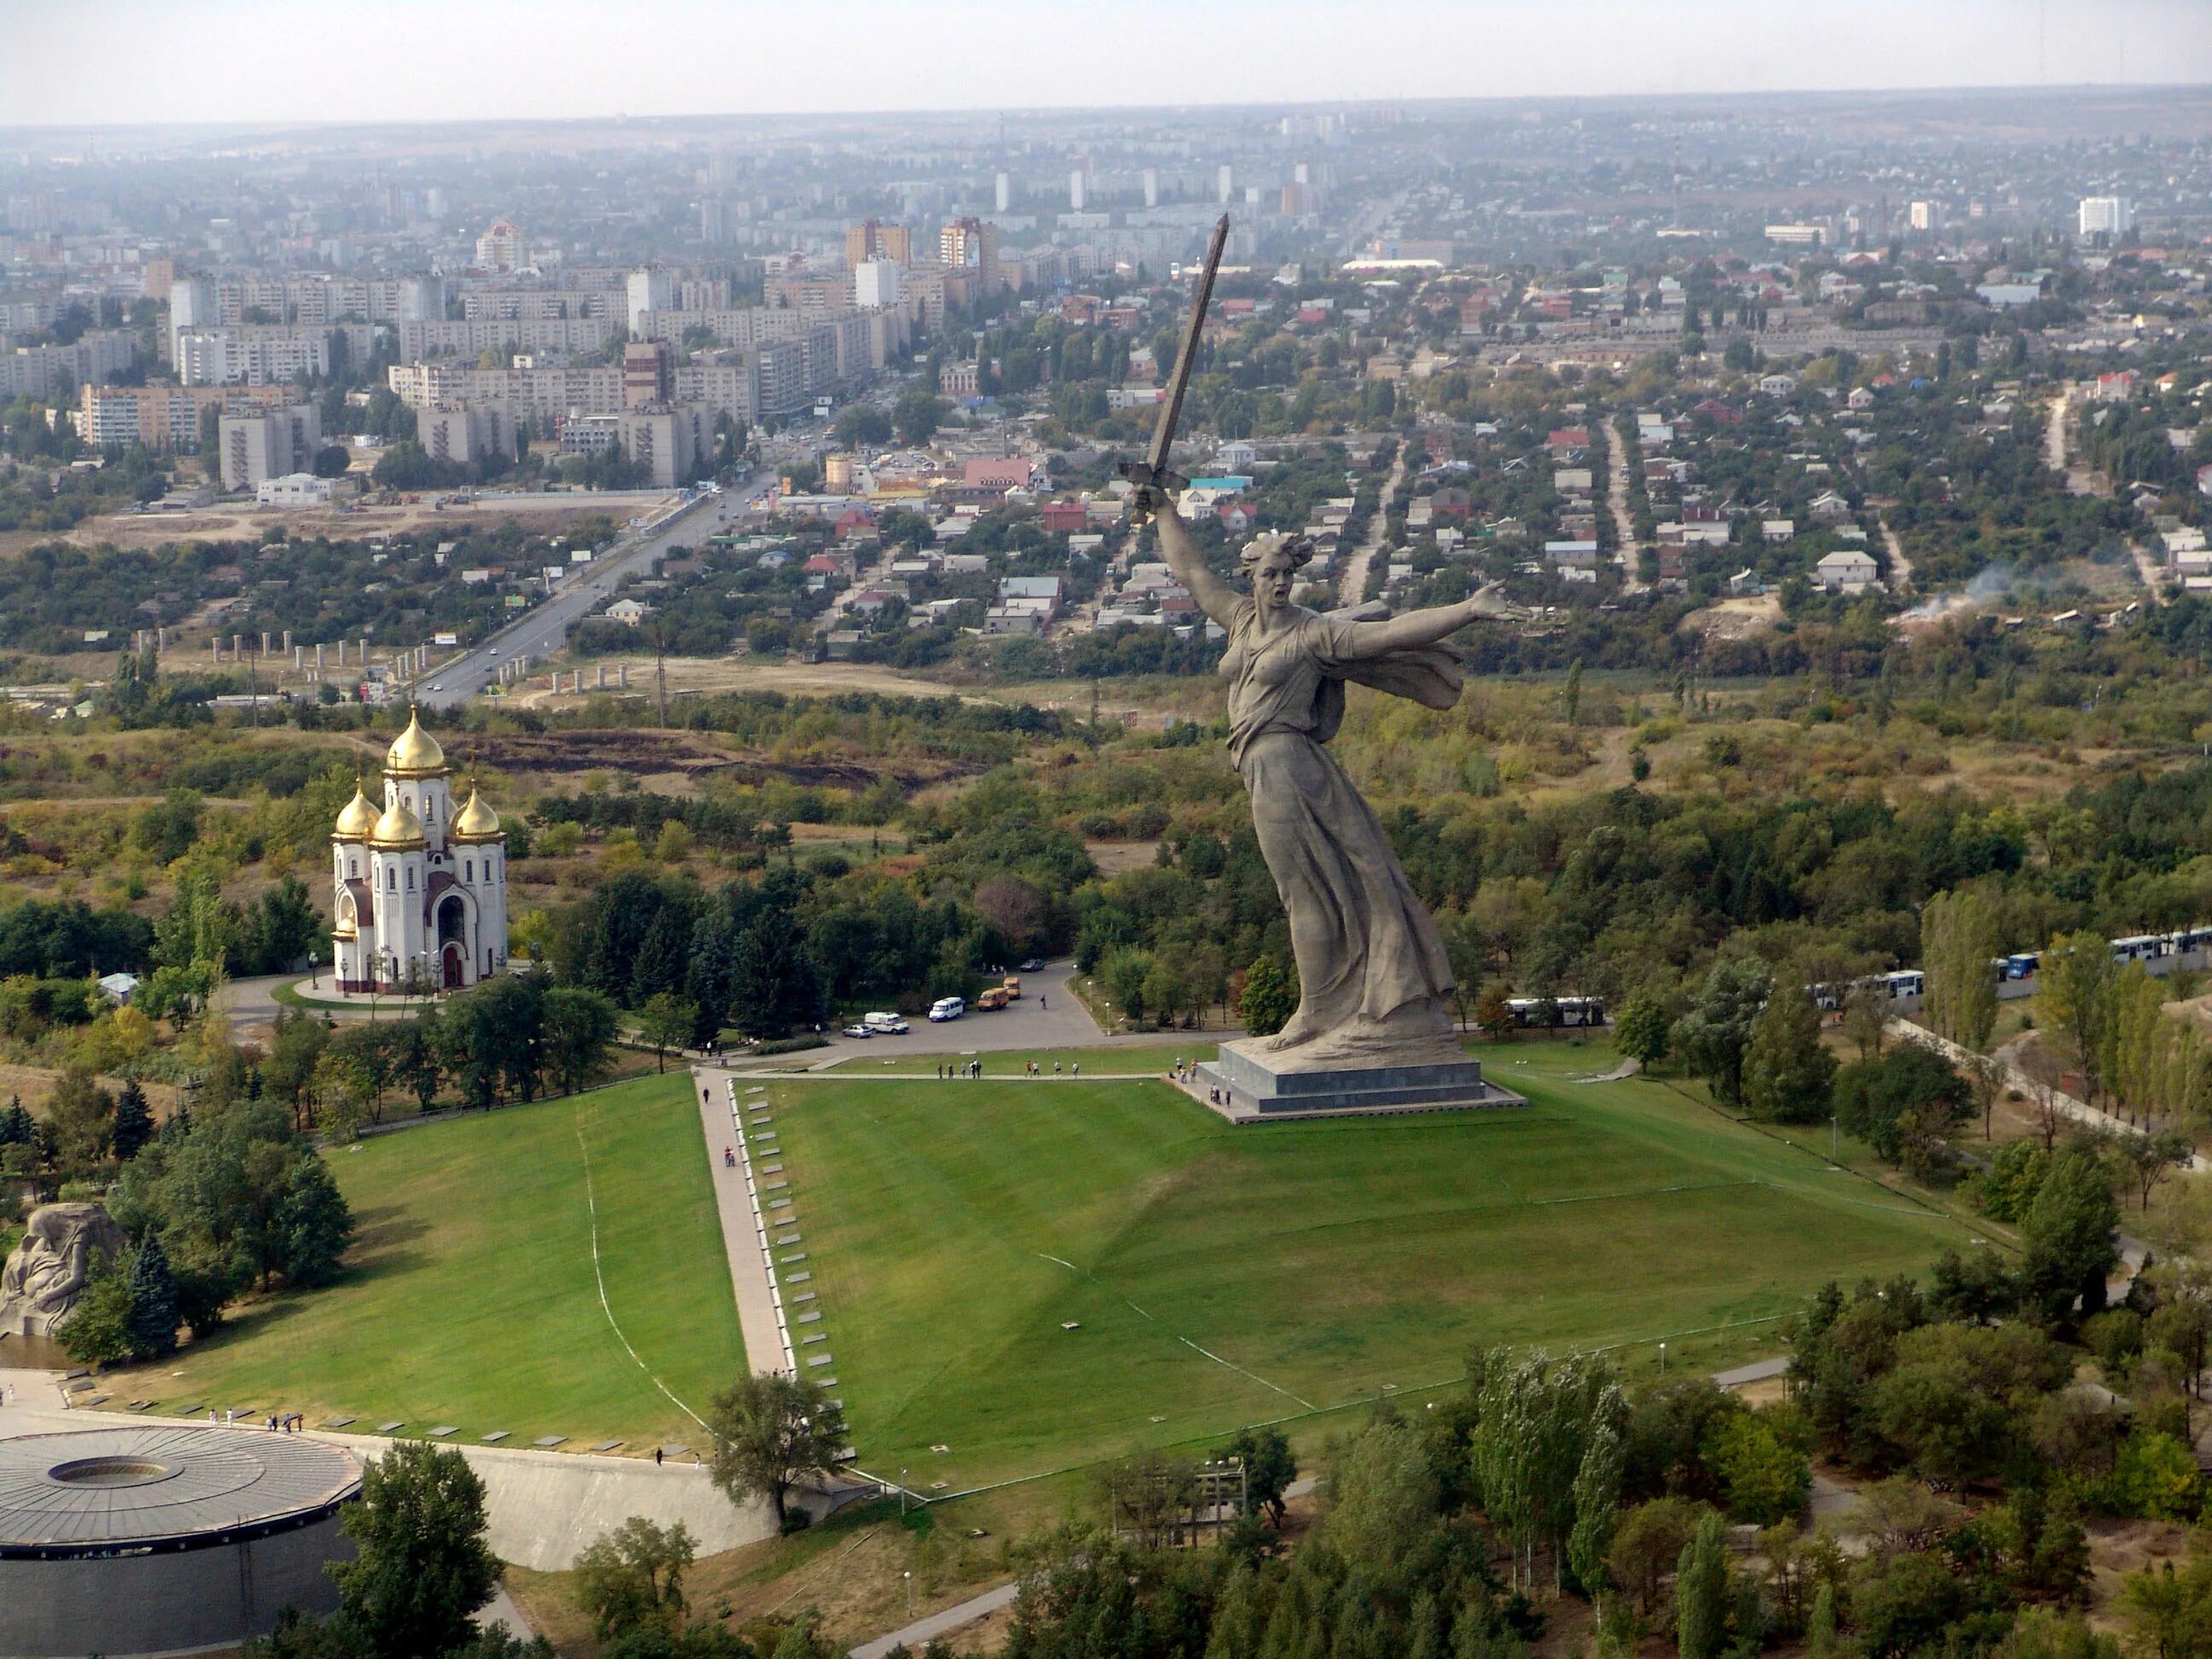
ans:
x=470 y=1298
x=1220 y=1276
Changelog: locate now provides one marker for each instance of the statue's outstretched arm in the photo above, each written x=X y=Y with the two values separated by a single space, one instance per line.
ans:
x=1426 y=627
x=1215 y=597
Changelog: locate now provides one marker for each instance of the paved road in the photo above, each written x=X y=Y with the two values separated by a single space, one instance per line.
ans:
x=544 y=631
x=1626 y=547
x=1352 y=586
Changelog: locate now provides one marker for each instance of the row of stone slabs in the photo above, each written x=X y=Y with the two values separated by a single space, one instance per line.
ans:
x=438 y=1431
x=760 y=1127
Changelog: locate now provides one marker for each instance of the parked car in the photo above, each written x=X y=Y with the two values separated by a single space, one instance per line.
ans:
x=859 y=1031
x=886 y=1025
x=946 y=1008
x=1034 y=965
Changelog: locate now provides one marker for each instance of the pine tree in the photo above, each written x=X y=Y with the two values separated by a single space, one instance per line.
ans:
x=313 y=1225
x=153 y=1329
x=1820 y=1629
x=134 y=1121
x=16 y=1128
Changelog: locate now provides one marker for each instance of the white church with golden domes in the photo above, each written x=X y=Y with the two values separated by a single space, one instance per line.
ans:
x=420 y=889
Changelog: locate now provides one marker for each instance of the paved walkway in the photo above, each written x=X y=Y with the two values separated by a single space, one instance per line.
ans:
x=544 y=1507
x=744 y=1233
x=1352 y=586
x=920 y=1633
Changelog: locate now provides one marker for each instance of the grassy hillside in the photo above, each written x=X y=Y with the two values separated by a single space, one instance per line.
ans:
x=1220 y=1276
x=471 y=1298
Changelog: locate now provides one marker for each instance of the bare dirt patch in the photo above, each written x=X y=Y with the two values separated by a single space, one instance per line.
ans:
x=1737 y=618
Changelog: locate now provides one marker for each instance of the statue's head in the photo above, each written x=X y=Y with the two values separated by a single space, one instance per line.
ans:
x=1272 y=560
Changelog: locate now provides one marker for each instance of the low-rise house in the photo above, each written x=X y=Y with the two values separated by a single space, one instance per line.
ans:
x=1847 y=571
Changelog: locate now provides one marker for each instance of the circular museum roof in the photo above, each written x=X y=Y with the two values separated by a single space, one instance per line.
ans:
x=93 y=1491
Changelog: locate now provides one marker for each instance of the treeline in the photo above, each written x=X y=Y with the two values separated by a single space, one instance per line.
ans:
x=228 y=1194
x=1978 y=1462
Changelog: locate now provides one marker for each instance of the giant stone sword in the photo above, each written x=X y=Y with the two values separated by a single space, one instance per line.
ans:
x=1153 y=471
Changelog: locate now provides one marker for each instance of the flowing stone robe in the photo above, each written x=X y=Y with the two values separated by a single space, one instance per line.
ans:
x=1373 y=973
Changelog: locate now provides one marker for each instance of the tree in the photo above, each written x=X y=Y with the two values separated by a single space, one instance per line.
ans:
x=98 y=1329
x=633 y=1576
x=1788 y=1075
x=1649 y=1543
x=421 y=1566
x=80 y=1121
x=1641 y=1030
x=2076 y=999
x=673 y=844
x=153 y=1293
x=1597 y=1510
x=917 y=415
x=1714 y=1033
x=1959 y=938
x=863 y=426
x=1269 y=1469
x=2151 y=1156
x=1902 y=1104
x=667 y=1020
x=313 y=1225
x=1493 y=1012
x=770 y=1431
x=2067 y=1237
x=579 y=1033
x=1270 y=997
x=134 y=1121
x=1764 y=1478
x=1701 y=1592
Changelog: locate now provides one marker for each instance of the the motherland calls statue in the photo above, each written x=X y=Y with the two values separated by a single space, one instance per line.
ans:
x=51 y=1268
x=1373 y=976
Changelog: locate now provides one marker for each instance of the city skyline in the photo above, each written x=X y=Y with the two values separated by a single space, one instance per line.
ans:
x=251 y=61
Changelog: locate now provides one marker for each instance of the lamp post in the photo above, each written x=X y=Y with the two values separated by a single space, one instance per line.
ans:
x=902 y=1494
x=909 y=1577
x=1663 y=1359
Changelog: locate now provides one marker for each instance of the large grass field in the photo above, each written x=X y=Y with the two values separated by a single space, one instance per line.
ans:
x=1218 y=1276
x=470 y=1298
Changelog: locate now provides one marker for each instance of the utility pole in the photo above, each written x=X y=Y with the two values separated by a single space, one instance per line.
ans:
x=660 y=670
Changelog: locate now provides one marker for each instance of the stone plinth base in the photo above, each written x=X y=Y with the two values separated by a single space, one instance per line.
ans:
x=1253 y=1089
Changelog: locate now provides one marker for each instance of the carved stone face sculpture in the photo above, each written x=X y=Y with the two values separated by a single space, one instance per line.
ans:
x=50 y=1269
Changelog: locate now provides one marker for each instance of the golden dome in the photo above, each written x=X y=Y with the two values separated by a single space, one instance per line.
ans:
x=397 y=830
x=476 y=821
x=413 y=753
x=357 y=820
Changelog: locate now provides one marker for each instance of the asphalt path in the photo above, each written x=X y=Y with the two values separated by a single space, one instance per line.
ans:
x=542 y=631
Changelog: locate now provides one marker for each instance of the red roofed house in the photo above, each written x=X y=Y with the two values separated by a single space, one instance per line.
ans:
x=1715 y=409
x=1062 y=516
x=1234 y=518
x=854 y=521
x=1569 y=440
x=997 y=471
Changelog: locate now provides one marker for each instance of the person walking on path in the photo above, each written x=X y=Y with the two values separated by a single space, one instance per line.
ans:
x=656 y=1457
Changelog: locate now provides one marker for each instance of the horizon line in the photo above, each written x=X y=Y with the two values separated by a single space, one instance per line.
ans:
x=9 y=132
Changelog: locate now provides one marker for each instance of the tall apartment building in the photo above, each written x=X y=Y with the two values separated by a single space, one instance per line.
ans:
x=465 y=434
x=501 y=247
x=872 y=239
x=473 y=337
x=875 y=283
x=321 y=299
x=971 y=245
x=648 y=368
x=714 y=222
x=670 y=442
x=162 y=417
x=648 y=291
x=2106 y=215
x=258 y=353
x=97 y=354
x=192 y=305
x=1002 y=192
x=269 y=444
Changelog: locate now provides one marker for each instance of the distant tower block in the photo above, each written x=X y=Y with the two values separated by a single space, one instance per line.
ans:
x=320 y=662
x=215 y=646
x=238 y=647
x=602 y=682
x=1003 y=191
x=1151 y=187
x=1223 y=184
x=288 y=639
x=298 y=658
x=264 y=645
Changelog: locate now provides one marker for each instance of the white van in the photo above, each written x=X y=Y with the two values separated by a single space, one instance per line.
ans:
x=888 y=1025
x=946 y=1008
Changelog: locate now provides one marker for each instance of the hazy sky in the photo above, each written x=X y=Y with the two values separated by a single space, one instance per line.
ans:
x=69 y=62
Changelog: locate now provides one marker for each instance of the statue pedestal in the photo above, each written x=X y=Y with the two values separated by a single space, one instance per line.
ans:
x=1265 y=1088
